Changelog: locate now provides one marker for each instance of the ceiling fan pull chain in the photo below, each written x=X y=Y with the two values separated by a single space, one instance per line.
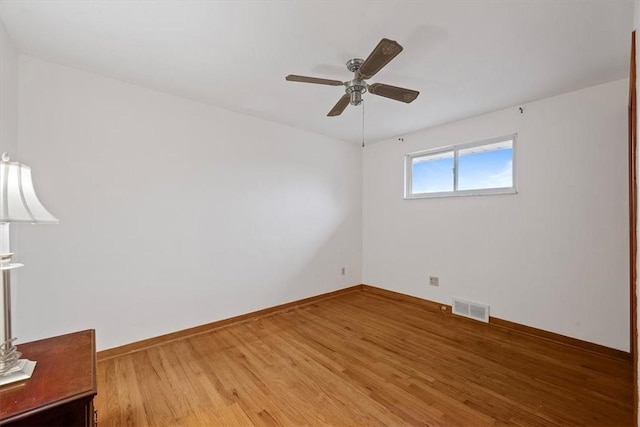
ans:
x=363 y=123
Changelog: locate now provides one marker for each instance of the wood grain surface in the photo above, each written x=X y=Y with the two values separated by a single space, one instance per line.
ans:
x=65 y=372
x=173 y=336
x=361 y=358
x=633 y=216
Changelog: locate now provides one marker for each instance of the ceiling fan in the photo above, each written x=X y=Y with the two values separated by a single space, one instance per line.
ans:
x=381 y=55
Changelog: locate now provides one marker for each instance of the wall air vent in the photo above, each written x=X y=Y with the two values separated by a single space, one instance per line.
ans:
x=472 y=310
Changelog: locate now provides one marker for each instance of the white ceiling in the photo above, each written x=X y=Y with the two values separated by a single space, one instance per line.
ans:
x=465 y=57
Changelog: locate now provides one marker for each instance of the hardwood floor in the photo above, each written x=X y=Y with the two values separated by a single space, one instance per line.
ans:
x=363 y=359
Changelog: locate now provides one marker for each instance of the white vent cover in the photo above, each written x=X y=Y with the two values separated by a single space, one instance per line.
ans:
x=472 y=310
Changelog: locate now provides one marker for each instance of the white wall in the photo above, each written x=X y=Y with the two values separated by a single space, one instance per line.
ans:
x=8 y=94
x=554 y=256
x=9 y=129
x=173 y=213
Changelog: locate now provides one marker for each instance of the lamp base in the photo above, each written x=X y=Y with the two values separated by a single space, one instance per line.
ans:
x=22 y=371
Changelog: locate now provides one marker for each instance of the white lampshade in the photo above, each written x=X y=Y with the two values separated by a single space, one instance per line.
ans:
x=18 y=200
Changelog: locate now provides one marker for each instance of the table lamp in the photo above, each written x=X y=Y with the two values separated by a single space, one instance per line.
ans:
x=18 y=203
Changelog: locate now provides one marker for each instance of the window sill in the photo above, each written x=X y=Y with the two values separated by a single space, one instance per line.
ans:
x=487 y=192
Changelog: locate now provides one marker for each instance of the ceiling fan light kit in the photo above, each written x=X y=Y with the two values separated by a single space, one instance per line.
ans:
x=363 y=70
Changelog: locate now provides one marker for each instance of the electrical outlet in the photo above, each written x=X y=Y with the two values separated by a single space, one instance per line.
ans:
x=343 y=271
x=434 y=281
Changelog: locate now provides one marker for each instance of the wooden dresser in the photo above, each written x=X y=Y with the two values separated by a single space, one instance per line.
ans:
x=62 y=388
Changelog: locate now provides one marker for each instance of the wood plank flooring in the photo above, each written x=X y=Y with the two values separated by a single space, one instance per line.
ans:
x=363 y=359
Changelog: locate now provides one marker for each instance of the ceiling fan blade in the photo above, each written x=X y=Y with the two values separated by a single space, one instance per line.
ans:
x=340 y=106
x=394 y=92
x=384 y=52
x=304 y=79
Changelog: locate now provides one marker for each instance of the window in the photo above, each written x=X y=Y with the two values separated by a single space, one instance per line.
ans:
x=483 y=167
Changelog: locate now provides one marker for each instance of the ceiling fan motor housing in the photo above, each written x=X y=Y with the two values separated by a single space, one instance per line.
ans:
x=356 y=87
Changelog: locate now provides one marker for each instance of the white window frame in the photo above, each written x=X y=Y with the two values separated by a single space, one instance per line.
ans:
x=408 y=170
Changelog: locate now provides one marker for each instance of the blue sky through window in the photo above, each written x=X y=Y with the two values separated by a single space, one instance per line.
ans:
x=490 y=169
x=433 y=176
x=479 y=167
